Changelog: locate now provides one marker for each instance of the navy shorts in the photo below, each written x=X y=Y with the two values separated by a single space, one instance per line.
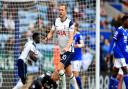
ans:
x=66 y=58
x=22 y=70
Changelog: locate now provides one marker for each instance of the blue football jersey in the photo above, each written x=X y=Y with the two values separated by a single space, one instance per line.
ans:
x=77 y=55
x=120 y=47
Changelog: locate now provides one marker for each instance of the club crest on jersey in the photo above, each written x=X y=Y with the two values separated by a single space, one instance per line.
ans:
x=61 y=33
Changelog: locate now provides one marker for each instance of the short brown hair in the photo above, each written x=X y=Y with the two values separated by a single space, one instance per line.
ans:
x=77 y=26
x=63 y=4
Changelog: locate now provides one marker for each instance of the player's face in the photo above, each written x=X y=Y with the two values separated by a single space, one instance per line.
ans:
x=62 y=11
x=37 y=39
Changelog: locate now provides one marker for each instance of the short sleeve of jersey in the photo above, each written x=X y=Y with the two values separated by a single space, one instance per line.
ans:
x=116 y=35
x=71 y=26
x=80 y=36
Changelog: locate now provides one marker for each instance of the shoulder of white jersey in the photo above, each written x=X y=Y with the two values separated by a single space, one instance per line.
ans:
x=56 y=20
x=29 y=43
x=68 y=21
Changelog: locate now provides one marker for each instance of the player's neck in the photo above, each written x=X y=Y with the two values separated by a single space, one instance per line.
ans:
x=63 y=18
x=75 y=32
x=124 y=27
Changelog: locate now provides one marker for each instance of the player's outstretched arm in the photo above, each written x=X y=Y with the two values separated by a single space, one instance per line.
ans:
x=49 y=36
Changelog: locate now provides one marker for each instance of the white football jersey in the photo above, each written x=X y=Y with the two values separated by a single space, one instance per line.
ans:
x=29 y=46
x=62 y=30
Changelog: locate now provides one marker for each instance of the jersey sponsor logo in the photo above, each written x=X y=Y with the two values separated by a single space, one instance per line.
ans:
x=61 y=33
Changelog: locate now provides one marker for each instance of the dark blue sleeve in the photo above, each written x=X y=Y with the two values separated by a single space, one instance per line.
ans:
x=71 y=23
x=114 y=39
x=79 y=38
x=111 y=45
x=117 y=34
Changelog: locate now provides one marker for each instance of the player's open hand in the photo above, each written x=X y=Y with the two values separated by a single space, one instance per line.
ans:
x=44 y=40
x=107 y=58
x=44 y=37
x=76 y=45
x=34 y=57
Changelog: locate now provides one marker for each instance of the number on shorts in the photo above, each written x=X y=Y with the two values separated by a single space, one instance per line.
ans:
x=64 y=57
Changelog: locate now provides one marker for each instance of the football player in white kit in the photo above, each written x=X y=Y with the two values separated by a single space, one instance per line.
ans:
x=64 y=29
x=31 y=51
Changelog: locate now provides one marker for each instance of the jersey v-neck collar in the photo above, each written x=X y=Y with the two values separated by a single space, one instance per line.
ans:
x=64 y=20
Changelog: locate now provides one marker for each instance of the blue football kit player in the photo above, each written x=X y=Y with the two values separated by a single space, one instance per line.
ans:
x=77 y=55
x=119 y=44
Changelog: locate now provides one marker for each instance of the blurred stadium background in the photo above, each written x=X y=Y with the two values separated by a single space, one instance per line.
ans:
x=111 y=12
x=19 y=18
